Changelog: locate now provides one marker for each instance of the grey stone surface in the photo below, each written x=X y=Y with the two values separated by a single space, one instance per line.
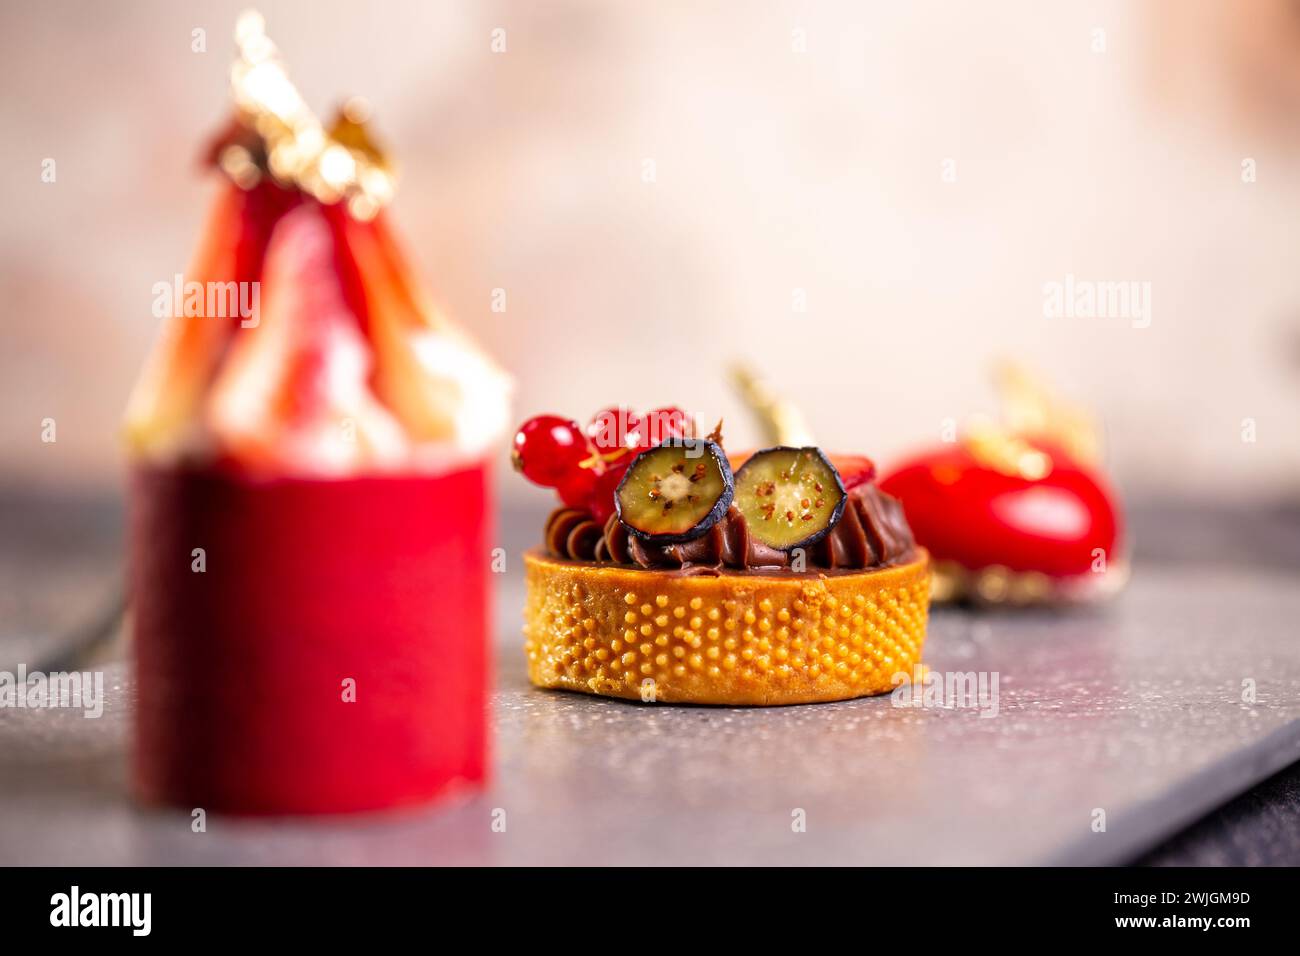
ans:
x=1135 y=709
x=1259 y=828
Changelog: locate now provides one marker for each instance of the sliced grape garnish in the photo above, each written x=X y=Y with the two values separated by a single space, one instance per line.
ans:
x=790 y=497
x=675 y=491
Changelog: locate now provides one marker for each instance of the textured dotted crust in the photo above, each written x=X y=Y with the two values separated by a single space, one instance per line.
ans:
x=736 y=639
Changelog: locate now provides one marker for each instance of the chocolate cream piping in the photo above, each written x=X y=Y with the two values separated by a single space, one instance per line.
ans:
x=871 y=534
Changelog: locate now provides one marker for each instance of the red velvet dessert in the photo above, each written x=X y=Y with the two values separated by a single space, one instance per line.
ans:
x=309 y=493
x=1018 y=511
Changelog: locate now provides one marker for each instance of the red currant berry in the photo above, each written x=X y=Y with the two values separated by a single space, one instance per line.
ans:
x=576 y=488
x=665 y=423
x=614 y=428
x=601 y=500
x=548 y=448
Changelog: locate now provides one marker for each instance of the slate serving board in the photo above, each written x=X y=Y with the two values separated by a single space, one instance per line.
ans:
x=1135 y=710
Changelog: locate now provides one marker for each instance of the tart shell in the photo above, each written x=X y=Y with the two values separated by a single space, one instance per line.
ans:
x=736 y=639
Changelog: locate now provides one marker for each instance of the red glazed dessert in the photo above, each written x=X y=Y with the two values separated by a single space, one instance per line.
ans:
x=309 y=497
x=1016 y=512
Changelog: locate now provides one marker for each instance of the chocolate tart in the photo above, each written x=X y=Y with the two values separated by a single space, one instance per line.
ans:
x=723 y=618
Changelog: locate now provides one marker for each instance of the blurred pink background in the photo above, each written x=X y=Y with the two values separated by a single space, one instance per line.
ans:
x=798 y=149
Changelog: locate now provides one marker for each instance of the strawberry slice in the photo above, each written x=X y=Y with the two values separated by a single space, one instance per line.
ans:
x=294 y=391
x=169 y=395
x=428 y=372
x=854 y=469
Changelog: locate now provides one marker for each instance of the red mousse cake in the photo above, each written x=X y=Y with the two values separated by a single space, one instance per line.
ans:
x=309 y=492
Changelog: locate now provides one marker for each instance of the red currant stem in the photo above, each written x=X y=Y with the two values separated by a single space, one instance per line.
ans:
x=597 y=459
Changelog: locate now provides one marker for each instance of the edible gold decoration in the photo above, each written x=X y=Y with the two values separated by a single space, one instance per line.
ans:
x=338 y=165
x=1031 y=413
x=779 y=418
x=1000 y=448
x=1032 y=410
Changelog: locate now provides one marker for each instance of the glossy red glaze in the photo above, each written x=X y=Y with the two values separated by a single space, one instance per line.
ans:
x=965 y=511
x=240 y=668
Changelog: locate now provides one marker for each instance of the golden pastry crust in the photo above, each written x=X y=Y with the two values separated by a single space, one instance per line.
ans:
x=739 y=639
